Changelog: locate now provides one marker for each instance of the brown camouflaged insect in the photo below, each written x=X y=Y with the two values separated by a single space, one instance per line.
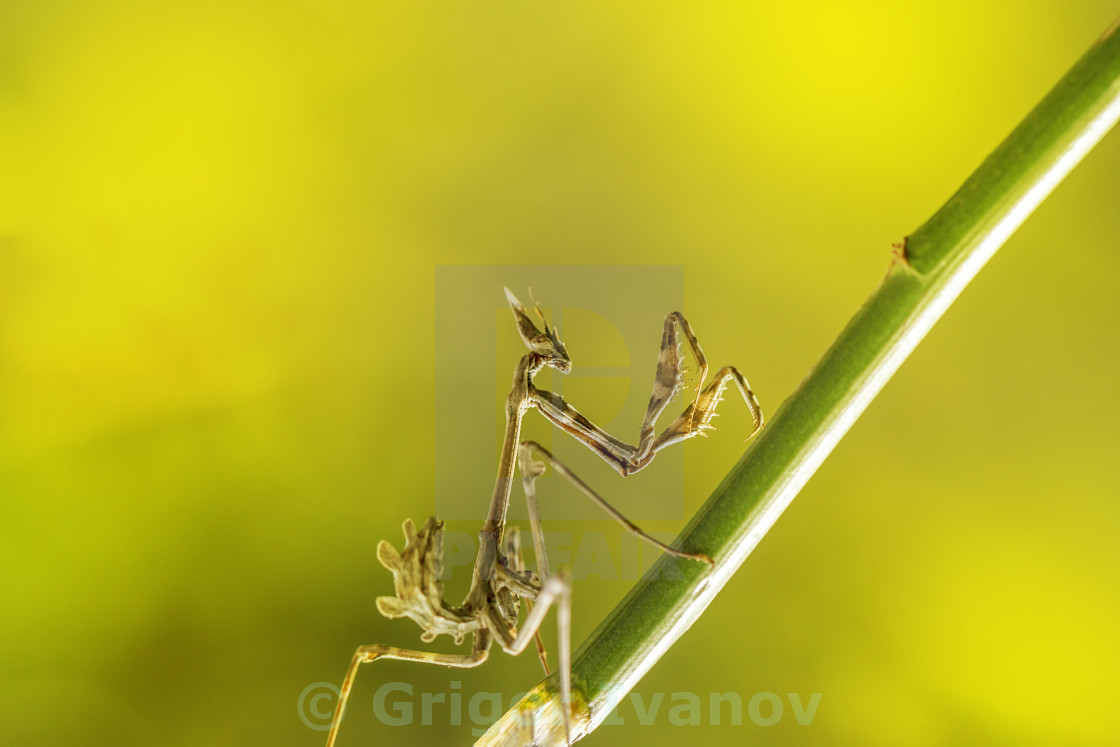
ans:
x=491 y=610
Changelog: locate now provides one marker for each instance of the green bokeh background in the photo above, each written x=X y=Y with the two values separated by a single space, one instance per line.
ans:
x=219 y=228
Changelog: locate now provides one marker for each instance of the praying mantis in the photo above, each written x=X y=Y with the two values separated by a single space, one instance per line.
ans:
x=491 y=610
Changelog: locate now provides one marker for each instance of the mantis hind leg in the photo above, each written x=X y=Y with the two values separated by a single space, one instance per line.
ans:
x=367 y=654
x=556 y=590
x=517 y=563
x=531 y=469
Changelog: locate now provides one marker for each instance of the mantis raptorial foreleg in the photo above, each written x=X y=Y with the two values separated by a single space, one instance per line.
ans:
x=697 y=417
x=669 y=378
x=624 y=457
x=627 y=459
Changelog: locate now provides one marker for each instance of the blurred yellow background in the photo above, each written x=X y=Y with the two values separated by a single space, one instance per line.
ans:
x=220 y=224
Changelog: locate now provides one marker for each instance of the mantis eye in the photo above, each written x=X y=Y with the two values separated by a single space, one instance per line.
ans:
x=543 y=344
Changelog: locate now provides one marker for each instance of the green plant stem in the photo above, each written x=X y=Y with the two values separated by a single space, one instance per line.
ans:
x=926 y=276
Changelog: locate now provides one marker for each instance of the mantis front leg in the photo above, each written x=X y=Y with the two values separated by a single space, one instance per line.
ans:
x=667 y=381
x=627 y=459
x=669 y=377
x=697 y=417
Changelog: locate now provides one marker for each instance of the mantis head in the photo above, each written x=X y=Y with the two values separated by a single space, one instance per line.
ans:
x=546 y=344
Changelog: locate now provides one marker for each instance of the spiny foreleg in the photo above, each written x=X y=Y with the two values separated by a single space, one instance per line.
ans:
x=697 y=417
